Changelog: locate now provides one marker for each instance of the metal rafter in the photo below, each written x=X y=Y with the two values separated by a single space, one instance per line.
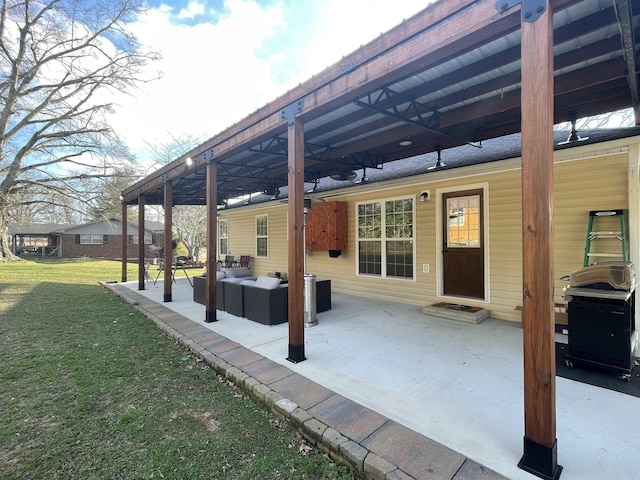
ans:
x=407 y=110
x=625 y=23
x=320 y=153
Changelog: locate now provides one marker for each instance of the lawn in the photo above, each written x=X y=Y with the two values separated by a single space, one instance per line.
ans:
x=91 y=389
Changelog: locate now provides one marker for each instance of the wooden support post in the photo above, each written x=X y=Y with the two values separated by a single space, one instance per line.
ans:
x=141 y=204
x=296 y=240
x=125 y=241
x=540 y=445
x=212 y=239
x=168 y=241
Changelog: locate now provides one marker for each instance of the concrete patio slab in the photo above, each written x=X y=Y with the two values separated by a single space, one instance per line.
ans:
x=458 y=385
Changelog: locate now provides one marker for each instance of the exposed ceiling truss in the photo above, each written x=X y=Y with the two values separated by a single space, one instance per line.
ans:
x=448 y=76
x=409 y=110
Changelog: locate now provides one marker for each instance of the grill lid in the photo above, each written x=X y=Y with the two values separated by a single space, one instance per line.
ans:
x=617 y=275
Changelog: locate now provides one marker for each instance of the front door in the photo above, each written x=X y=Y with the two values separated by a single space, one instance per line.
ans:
x=463 y=249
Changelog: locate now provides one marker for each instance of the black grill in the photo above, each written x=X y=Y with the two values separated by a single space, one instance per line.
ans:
x=601 y=310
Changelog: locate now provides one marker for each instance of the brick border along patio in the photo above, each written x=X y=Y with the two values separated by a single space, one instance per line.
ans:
x=374 y=446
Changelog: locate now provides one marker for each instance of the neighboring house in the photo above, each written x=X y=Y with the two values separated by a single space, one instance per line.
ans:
x=494 y=227
x=99 y=239
x=31 y=238
x=103 y=239
x=421 y=235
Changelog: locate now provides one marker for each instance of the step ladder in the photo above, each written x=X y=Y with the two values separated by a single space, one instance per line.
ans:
x=593 y=235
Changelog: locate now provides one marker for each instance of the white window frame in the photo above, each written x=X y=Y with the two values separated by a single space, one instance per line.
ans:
x=148 y=239
x=262 y=235
x=383 y=240
x=223 y=227
x=91 y=239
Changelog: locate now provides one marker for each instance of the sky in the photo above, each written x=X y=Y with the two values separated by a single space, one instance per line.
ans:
x=224 y=59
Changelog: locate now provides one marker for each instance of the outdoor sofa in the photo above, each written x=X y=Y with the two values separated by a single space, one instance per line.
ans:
x=263 y=300
x=223 y=276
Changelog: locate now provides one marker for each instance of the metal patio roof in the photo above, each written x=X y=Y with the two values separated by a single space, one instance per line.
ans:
x=446 y=77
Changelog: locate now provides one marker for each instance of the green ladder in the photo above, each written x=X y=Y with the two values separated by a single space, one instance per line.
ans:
x=594 y=234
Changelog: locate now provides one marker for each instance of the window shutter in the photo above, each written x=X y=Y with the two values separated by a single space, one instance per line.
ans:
x=77 y=239
x=105 y=239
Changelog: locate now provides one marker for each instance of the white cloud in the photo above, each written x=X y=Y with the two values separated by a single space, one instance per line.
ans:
x=193 y=9
x=218 y=71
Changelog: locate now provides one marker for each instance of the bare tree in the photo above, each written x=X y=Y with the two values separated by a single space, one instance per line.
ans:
x=189 y=221
x=618 y=118
x=109 y=205
x=62 y=62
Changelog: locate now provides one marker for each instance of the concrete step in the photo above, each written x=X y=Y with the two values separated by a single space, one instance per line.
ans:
x=454 y=311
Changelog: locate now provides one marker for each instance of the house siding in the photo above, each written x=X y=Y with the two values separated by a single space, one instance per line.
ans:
x=110 y=250
x=580 y=186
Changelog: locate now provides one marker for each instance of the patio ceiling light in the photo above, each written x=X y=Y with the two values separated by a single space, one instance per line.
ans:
x=439 y=162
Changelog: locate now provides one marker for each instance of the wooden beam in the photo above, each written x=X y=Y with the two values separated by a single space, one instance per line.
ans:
x=442 y=30
x=540 y=445
x=168 y=241
x=296 y=241
x=141 y=204
x=125 y=241
x=212 y=241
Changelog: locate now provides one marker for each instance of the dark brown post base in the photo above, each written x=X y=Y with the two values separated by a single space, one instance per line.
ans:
x=296 y=353
x=124 y=278
x=540 y=460
x=167 y=297
x=141 y=285
x=210 y=317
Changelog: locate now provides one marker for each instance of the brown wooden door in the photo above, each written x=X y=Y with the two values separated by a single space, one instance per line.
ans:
x=463 y=249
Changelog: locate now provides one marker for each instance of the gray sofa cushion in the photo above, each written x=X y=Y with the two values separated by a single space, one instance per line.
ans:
x=237 y=272
x=233 y=280
x=268 y=282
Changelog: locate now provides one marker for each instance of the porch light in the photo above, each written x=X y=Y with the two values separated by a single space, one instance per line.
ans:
x=439 y=162
x=405 y=143
x=189 y=161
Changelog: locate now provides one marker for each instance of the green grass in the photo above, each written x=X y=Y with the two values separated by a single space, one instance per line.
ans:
x=91 y=389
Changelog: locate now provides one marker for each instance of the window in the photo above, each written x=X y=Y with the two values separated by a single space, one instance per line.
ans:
x=464 y=221
x=92 y=239
x=262 y=236
x=385 y=238
x=223 y=237
x=133 y=239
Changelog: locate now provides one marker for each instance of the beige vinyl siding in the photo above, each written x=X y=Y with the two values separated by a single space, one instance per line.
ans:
x=242 y=236
x=505 y=244
x=580 y=186
x=343 y=270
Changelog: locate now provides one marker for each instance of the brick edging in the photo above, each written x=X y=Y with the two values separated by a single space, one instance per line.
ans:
x=337 y=446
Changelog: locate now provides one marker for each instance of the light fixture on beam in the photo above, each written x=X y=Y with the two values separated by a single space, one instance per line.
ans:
x=405 y=143
x=189 y=161
x=364 y=178
x=343 y=175
x=315 y=185
x=573 y=136
x=439 y=162
x=273 y=191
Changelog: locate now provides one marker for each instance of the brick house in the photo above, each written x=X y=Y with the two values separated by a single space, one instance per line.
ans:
x=103 y=239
